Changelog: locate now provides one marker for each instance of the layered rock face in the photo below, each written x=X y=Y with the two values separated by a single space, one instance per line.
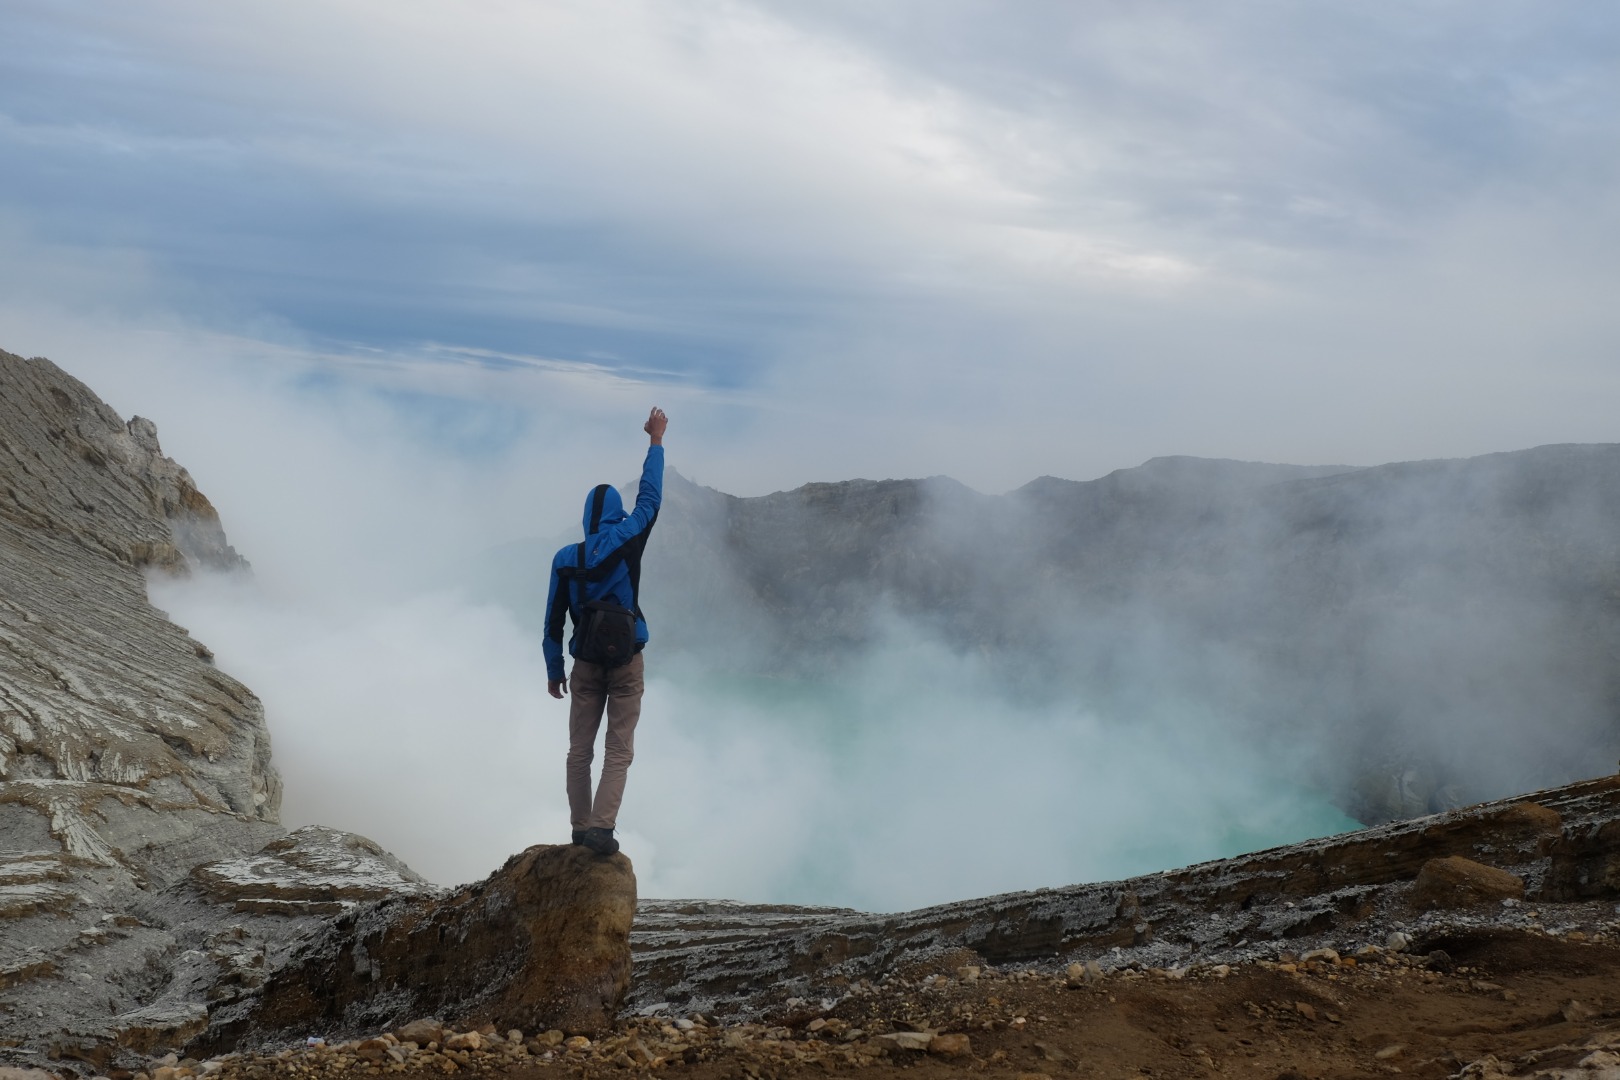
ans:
x=103 y=701
x=126 y=757
x=149 y=898
x=123 y=750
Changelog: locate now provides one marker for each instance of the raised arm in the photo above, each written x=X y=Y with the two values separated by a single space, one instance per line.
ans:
x=651 y=491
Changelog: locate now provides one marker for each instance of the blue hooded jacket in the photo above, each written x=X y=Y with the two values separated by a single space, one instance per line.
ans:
x=613 y=538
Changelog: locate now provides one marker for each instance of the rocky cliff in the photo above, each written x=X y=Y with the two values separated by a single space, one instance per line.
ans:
x=122 y=746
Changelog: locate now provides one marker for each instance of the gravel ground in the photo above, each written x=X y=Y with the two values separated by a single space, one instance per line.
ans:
x=1475 y=997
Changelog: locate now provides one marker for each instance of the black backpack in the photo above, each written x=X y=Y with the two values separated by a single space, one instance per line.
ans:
x=604 y=631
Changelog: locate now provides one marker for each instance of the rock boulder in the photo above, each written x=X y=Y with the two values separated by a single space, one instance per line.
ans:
x=542 y=943
x=1456 y=882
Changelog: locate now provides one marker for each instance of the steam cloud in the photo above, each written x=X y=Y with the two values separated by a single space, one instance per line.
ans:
x=405 y=708
x=409 y=708
x=424 y=724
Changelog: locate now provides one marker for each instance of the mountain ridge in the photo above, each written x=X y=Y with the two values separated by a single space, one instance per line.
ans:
x=1269 y=592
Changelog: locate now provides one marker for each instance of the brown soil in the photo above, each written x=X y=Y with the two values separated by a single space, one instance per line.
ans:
x=1532 y=1000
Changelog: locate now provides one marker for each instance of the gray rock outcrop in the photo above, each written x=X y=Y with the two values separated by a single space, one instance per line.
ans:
x=126 y=756
x=544 y=942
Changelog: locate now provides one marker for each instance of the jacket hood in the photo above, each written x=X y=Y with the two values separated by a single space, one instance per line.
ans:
x=610 y=512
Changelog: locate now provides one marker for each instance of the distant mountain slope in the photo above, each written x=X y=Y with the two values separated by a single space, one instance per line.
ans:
x=1427 y=633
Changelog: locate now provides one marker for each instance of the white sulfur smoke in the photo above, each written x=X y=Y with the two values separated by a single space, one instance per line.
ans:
x=424 y=724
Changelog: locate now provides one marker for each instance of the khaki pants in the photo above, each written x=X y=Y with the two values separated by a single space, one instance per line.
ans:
x=594 y=687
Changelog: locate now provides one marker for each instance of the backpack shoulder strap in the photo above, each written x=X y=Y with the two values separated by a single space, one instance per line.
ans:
x=579 y=576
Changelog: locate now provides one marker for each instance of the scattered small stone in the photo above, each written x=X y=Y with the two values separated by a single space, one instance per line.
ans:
x=1055 y=1054
x=1393 y=1050
x=1305 y=1009
x=466 y=1040
x=905 y=1040
x=372 y=1050
x=950 y=1045
x=421 y=1032
x=1575 y=1012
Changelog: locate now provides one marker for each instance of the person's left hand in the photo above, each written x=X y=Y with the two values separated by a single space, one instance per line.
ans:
x=557 y=687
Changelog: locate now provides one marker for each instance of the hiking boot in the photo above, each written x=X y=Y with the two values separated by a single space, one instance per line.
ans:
x=579 y=836
x=600 y=841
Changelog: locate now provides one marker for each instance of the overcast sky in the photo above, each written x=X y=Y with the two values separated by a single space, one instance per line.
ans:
x=835 y=239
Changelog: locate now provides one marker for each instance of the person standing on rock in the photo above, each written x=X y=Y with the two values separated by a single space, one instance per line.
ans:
x=596 y=584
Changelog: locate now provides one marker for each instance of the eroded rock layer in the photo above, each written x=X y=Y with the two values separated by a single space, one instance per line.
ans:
x=1562 y=845
x=126 y=756
x=121 y=744
x=127 y=759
